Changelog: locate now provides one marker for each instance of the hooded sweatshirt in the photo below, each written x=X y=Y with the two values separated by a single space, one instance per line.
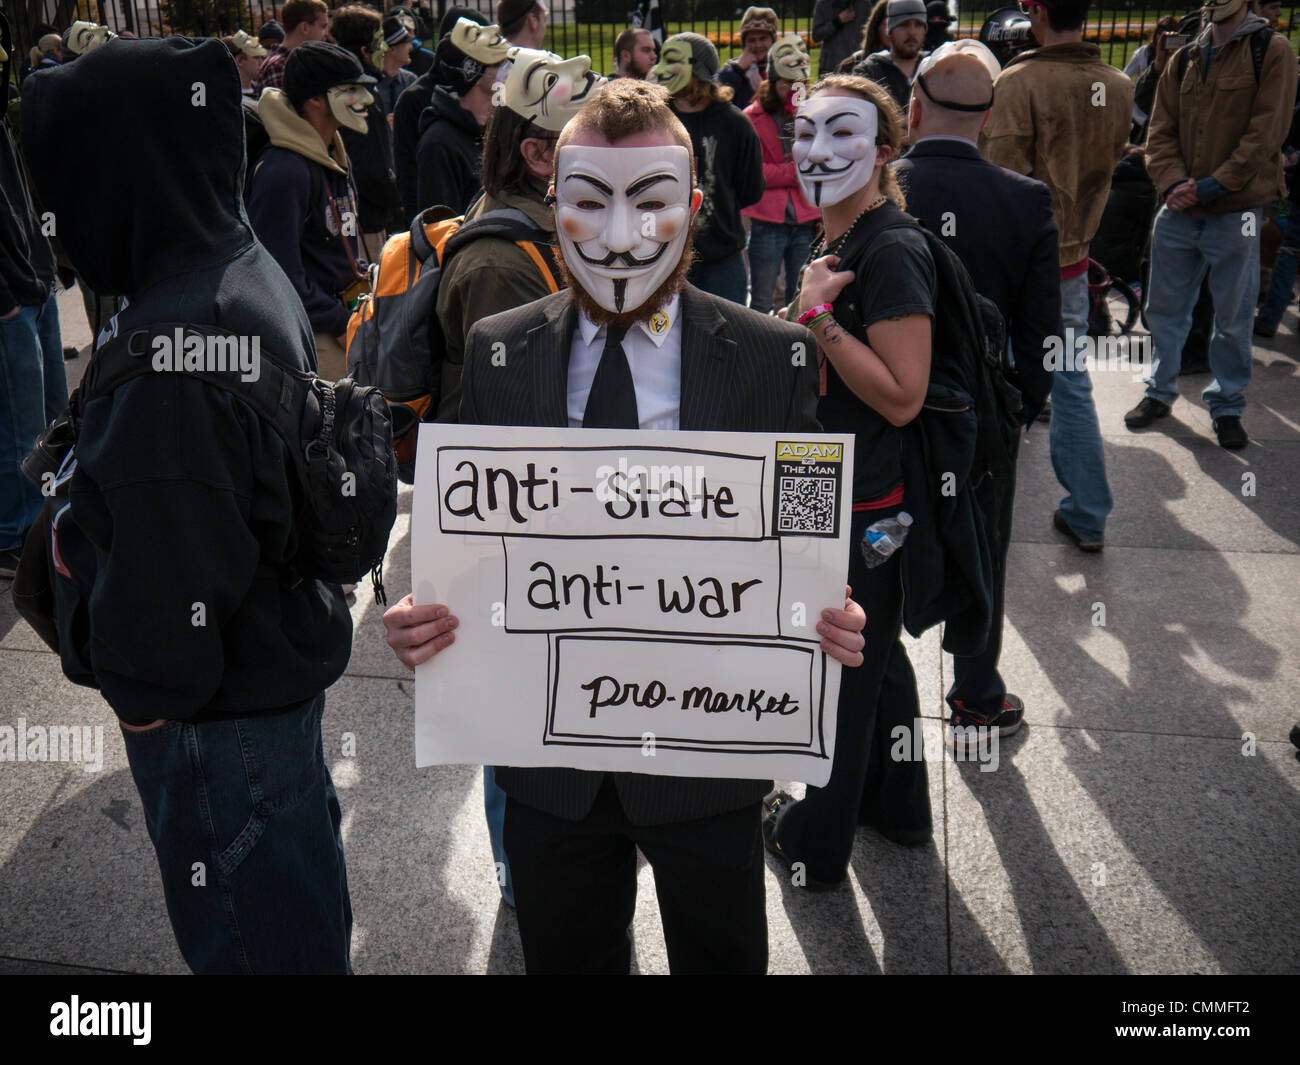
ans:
x=182 y=502
x=729 y=171
x=449 y=159
x=289 y=207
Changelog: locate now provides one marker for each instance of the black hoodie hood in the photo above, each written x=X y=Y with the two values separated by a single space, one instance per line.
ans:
x=152 y=184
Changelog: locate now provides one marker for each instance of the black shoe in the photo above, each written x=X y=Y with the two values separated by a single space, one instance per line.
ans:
x=1061 y=525
x=772 y=806
x=69 y=353
x=8 y=564
x=1007 y=721
x=1230 y=432
x=1262 y=330
x=1146 y=412
x=1295 y=734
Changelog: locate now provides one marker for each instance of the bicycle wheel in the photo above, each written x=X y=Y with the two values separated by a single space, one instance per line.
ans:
x=1124 y=306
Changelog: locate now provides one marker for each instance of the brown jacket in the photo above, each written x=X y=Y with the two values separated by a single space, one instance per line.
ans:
x=1226 y=126
x=1062 y=116
x=489 y=276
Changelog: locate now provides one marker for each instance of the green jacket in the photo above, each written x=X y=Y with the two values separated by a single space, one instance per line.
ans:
x=488 y=276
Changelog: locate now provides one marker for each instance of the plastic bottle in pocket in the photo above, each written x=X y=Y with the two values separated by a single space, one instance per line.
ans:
x=884 y=537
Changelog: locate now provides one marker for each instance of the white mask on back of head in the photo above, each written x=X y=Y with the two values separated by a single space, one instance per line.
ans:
x=622 y=216
x=834 y=147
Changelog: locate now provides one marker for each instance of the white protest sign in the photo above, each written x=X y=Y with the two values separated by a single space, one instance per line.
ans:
x=637 y=601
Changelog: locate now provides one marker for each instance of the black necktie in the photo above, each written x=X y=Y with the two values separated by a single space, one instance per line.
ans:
x=611 y=403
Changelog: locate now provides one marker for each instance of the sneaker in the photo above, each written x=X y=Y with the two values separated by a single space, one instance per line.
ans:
x=1061 y=525
x=773 y=804
x=1146 y=412
x=1007 y=721
x=1230 y=432
x=8 y=564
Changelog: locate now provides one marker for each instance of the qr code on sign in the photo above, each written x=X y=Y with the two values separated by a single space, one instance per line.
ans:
x=806 y=505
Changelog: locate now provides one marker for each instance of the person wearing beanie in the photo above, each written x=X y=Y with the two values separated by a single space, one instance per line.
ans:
x=782 y=224
x=522 y=22
x=271 y=34
x=394 y=61
x=421 y=59
x=448 y=155
x=938 y=18
x=302 y=21
x=411 y=105
x=728 y=160
x=302 y=202
x=905 y=27
x=743 y=75
x=361 y=31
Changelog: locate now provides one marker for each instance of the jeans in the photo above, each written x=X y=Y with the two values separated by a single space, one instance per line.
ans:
x=245 y=821
x=33 y=392
x=1284 y=271
x=771 y=244
x=724 y=278
x=494 y=808
x=1074 y=438
x=1183 y=249
x=867 y=786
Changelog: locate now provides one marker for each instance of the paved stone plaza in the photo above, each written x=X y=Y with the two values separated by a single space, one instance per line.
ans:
x=1124 y=829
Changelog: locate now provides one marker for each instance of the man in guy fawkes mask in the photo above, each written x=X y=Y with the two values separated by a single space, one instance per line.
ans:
x=630 y=345
x=302 y=201
x=83 y=37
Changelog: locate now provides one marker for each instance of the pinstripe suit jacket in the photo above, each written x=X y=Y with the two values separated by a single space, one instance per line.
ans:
x=738 y=375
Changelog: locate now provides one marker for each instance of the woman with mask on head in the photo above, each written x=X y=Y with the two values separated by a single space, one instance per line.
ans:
x=870 y=304
x=782 y=224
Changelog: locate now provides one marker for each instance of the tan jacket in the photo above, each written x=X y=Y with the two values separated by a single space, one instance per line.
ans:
x=1062 y=116
x=1226 y=127
x=486 y=277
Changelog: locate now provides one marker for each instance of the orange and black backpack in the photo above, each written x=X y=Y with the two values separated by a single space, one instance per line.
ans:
x=394 y=339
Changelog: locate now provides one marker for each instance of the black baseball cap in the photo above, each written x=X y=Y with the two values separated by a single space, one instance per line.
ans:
x=314 y=68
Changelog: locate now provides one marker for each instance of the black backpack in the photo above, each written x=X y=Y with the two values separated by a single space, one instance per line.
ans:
x=966 y=432
x=337 y=436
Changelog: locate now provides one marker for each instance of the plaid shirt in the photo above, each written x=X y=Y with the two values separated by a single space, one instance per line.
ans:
x=272 y=70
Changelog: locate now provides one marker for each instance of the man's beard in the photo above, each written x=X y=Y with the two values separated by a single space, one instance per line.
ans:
x=670 y=286
x=908 y=49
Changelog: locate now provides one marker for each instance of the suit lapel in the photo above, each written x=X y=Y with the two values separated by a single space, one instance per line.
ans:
x=708 y=361
x=548 y=362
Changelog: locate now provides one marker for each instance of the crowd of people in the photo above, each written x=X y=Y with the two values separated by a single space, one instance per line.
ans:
x=787 y=212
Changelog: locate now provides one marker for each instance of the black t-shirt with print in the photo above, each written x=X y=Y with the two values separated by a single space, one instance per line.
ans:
x=895 y=276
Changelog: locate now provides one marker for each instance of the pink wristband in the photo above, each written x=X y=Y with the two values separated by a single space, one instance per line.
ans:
x=813 y=312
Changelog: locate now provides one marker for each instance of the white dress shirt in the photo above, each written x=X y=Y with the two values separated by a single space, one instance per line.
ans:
x=654 y=354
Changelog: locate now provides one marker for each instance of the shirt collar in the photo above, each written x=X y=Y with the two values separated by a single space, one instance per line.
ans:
x=945 y=137
x=666 y=318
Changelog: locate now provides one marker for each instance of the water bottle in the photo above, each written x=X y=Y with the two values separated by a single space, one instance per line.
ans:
x=882 y=539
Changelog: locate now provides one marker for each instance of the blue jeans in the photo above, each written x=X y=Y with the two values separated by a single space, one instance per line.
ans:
x=1282 y=287
x=245 y=821
x=494 y=808
x=724 y=277
x=33 y=392
x=1074 y=437
x=771 y=244
x=1183 y=249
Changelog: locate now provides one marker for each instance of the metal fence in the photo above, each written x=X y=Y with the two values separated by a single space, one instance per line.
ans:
x=576 y=26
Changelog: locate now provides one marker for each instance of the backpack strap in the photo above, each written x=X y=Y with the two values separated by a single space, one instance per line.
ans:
x=512 y=224
x=1259 y=48
x=420 y=246
x=275 y=396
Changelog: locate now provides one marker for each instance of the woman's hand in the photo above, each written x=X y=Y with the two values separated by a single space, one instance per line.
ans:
x=822 y=283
